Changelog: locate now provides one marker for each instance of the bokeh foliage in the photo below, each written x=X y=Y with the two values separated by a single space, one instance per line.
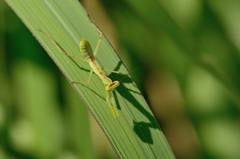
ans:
x=188 y=54
x=37 y=104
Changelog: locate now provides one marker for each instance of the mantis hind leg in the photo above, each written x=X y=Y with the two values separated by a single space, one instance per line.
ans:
x=57 y=46
x=89 y=78
x=100 y=37
x=99 y=40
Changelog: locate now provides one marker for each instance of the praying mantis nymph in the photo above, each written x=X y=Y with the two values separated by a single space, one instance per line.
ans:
x=89 y=56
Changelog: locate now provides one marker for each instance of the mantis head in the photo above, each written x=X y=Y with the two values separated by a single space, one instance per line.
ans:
x=112 y=86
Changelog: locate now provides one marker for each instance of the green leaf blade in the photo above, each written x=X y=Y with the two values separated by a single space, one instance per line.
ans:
x=135 y=134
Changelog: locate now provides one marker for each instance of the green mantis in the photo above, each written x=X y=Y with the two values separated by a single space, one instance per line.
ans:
x=89 y=56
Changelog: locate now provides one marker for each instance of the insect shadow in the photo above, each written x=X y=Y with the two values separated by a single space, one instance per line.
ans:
x=142 y=129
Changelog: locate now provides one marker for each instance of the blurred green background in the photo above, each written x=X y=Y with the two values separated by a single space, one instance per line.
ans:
x=188 y=57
